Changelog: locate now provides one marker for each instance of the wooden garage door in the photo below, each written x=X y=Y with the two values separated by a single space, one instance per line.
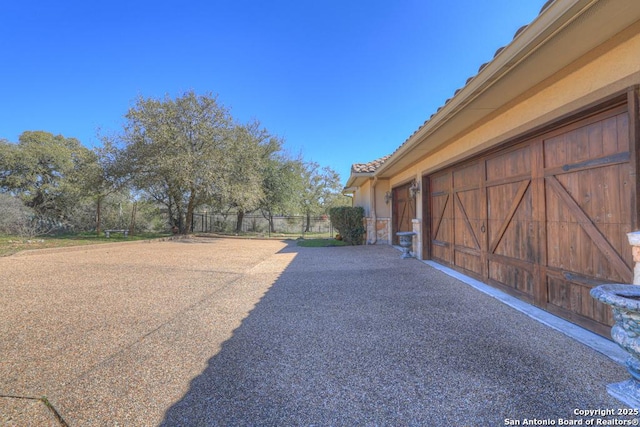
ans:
x=457 y=203
x=404 y=210
x=545 y=220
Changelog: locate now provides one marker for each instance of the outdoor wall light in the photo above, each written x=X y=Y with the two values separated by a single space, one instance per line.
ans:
x=414 y=189
x=387 y=197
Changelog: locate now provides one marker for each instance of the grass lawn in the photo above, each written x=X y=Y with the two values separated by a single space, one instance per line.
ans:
x=264 y=235
x=10 y=245
x=320 y=243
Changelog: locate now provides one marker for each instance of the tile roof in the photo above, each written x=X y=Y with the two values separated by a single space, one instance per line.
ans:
x=369 y=167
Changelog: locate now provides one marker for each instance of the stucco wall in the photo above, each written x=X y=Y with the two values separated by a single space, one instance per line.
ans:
x=362 y=197
x=383 y=209
x=377 y=231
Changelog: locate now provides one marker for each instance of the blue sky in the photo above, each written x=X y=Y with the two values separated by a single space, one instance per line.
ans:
x=341 y=81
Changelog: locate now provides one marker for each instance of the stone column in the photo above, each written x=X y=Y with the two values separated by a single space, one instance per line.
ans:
x=382 y=228
x=634 y=241
x=370 y=231
x=417 y=239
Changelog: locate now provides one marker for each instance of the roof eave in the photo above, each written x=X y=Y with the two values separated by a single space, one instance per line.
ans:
x=551 y=21
x=356 y=179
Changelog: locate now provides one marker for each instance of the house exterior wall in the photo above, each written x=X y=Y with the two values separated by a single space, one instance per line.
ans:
x=362 y=197
x=601 y=73
x=383 y=209
x=609 y=69
x=519 y=183
x=378 y=222
x=554 y=284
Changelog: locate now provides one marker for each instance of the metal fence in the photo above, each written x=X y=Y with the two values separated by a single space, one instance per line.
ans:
x=319 y=226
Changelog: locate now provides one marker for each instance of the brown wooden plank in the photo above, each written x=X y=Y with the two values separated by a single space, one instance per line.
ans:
x=525 y=265
x=633 y=100
x=585 y=280
x=513 y=275
x=426 y=217
x=585 y=222
x=594 y=140
x=467 y=250
x=622 y=122
x=509 y=163
x=554 y=153
x=465 y=218
x=469 y=261
x=436 y=228
x=610 y=135
x=466 y=176
x=508 y=180
x=510 y=213
x=618 y=106
x=451 y=223
x=539 y=217
x=483 y=218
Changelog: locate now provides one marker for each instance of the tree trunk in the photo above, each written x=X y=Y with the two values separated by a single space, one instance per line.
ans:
x=308 y=226
x=189 y=217
x=180 y=218
x=98 y=215
x=132 y=225
x=239 y=219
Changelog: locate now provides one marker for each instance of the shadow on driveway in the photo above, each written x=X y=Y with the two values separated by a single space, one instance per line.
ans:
x=358 y=336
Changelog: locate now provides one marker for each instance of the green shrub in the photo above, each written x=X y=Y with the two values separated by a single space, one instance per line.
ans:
x=349 y=222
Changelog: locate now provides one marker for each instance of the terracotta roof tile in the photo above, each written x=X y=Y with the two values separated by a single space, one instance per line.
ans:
x=368 y=167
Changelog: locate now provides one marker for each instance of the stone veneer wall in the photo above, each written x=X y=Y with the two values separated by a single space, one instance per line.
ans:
x=381 y=229
x=417 y=239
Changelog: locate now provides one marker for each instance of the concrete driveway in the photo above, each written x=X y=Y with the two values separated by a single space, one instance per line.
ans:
x=245 y=332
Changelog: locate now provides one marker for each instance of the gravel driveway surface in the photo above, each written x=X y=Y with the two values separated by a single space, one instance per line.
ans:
x=225 y=332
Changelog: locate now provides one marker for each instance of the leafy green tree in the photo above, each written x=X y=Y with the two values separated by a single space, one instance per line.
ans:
x=44 y=170
x=6 y=162
x=102 y=175
x=174 y=149
x=15 y=217
x=321 y=189
x=282 y=182
x=248 y=152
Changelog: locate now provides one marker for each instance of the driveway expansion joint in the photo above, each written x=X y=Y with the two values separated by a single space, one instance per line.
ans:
x=42 y=400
